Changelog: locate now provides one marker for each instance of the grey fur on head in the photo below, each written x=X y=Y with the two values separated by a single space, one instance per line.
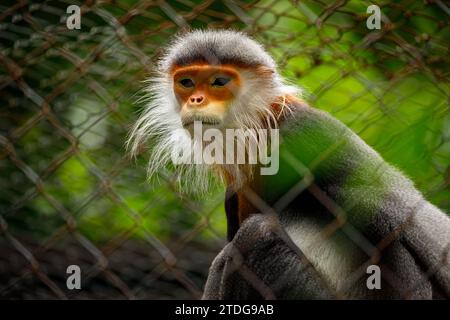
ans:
x=251 y=108
x=215 y=47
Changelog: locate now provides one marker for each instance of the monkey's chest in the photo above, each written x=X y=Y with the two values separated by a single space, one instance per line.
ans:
x=331 y=252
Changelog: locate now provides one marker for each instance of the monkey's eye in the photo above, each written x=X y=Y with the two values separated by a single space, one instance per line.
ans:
x=187 y=83
x=220 y=81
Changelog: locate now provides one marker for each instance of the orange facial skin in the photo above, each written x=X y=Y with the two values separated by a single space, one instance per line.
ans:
x=202 y=100
x=205 y=91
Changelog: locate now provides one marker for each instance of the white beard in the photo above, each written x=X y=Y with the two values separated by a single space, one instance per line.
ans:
x=161 y=123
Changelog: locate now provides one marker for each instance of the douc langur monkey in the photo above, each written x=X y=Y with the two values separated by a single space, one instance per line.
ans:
x=332 y=214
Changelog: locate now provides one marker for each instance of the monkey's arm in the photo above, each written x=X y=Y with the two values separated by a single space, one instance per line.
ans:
x=373 y=196
x=262 y=262
x=427 y=236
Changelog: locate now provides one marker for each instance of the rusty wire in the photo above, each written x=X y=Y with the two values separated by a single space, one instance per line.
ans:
x=98 y=70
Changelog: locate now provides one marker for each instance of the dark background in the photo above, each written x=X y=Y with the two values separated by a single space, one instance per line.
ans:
x=69 y=194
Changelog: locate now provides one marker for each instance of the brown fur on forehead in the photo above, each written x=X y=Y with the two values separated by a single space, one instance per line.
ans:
x=204 y=67
x=200 y=62
x=235 y=70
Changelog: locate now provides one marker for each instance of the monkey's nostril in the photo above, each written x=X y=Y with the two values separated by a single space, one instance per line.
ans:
x=196 y=99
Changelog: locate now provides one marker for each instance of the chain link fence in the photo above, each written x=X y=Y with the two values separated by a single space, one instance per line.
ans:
x=71 y=195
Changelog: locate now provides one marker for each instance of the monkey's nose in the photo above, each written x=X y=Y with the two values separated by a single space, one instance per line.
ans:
x=196 y=99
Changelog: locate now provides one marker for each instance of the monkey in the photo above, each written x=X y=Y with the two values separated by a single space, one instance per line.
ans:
x=334 y=208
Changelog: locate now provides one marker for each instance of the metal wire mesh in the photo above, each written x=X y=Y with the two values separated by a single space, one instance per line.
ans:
x=70 y=194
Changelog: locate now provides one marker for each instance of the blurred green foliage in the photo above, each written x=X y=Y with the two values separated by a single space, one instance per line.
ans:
x=389 y=86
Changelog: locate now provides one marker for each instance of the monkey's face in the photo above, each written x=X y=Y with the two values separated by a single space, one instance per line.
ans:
x=205 y=93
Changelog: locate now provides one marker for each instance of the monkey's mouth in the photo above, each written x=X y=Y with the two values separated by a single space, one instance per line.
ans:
x=205 y=120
